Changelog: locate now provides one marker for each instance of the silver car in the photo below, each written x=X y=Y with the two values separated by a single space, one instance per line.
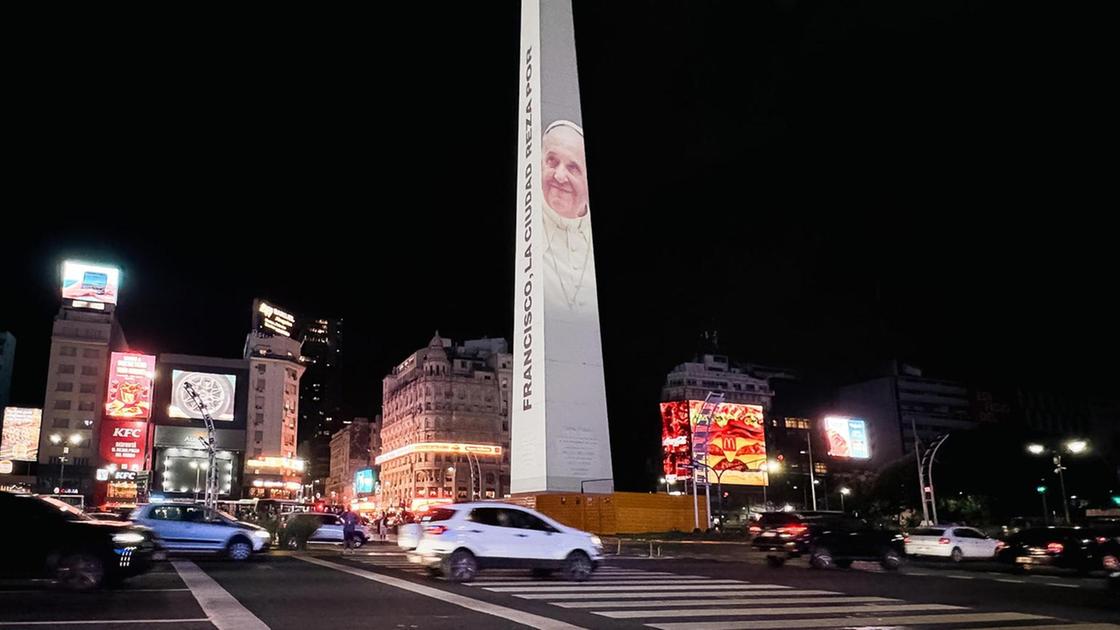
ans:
x=185 y=527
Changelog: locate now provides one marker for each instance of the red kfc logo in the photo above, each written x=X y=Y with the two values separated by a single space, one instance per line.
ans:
x=126 y=432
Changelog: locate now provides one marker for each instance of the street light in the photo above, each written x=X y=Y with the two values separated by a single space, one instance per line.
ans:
x=843 y=493
x=1075 y=447
x=56 y=439
x=771 y=467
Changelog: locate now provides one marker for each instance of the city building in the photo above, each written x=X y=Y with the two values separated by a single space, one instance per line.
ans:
x=902 y=401
x=7 y=363
x=715 y=373
x=445 y=432
x=82 y=339
x=321 y=413
x=272 y=470
x=180 y=461
x=350 y=452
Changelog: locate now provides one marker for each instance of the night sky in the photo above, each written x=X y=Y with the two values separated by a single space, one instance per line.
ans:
x=827 y=186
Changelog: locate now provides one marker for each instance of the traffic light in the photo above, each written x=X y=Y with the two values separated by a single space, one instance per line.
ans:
x=1116 y=500
x=1040 y=489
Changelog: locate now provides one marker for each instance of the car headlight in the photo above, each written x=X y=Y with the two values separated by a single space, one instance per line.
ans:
x=260 y=533
x=595 y=540
x=129 y=538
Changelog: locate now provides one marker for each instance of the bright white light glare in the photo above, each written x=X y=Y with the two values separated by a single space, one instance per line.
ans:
x=1036 y=449
x=845 y=491
x=129 y=538
x=1077 y=446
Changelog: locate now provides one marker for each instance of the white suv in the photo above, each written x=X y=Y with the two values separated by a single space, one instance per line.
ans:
x=947 y=541
x=190 y=527
x=459 y=539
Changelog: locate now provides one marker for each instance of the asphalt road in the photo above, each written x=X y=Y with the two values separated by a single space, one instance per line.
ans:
x=378 y=588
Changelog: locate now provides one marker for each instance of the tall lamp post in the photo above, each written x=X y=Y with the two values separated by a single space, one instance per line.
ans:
x=56 y=439
x=843 y=493
x=771 y=467
x=1074 y=447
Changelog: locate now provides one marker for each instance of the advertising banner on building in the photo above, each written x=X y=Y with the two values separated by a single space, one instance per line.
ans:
x=847 y=437
x=735 y=443
x=129 y=392
x=90 y=283
x=19 y=438
x=271 y=319
x=676 y=440
x=560 y=440
x=123 y=443
x=217 y=391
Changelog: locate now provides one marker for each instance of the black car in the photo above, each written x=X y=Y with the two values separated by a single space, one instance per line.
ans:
x=1077 y=548
x=827 y=538
x=46 y=538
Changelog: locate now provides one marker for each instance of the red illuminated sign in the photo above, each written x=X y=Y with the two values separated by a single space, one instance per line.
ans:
x=123 y=444
x=129 y=394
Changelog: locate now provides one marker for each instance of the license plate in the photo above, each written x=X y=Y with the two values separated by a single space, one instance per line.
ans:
x=1022 y=560
x=159 y=555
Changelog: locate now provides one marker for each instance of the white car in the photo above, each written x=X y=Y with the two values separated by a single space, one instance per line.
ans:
x=329 y=530
x=459 y=539
x=948 y=541
x=191 y=527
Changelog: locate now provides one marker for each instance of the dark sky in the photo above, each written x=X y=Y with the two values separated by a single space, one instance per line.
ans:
x=828 y=185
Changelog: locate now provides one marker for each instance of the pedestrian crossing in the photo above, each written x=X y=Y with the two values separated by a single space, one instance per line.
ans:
x=668 y=601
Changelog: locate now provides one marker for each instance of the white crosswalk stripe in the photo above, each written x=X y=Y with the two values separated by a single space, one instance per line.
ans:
x=666 y=601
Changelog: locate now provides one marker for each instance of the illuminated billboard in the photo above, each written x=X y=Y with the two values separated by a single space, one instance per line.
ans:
x=268 y=318
x=364 y=481
x=19 y=439
x=736 y=443
x=90 y=283
x=847 y=437
x=123 y=443
x=217 y=392
x=129 y=394
x=676 y=440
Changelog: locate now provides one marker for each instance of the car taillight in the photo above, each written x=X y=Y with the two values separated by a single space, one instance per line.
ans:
x=1102 y=539
x=793 y=530
x=1055 y=547
x=1000 y=545
x=435 y=530
x=943 y=541
x=756 y=530
x=906 y=541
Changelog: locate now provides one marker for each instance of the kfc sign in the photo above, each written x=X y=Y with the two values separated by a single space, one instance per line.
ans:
x=124 y=444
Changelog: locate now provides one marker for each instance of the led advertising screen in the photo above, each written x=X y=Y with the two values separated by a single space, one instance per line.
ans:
x=19 y=438
x=216 y=391
x=676 y=440
x=90 y=283
x=364 y=481
x=129 y=394
x=847 y=437
x=736 y=442
x=123 y=443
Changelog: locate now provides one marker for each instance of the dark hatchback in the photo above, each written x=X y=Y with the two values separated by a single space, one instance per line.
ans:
x=827 y=538
x=49 y=539
x=1078 y=549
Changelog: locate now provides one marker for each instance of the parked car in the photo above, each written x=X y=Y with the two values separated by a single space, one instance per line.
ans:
x=947 y=541
x=188 y=527
x=320 y=527
x=54 y=540
x=827 y=538
x=1076 y=548
x=458 y=540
